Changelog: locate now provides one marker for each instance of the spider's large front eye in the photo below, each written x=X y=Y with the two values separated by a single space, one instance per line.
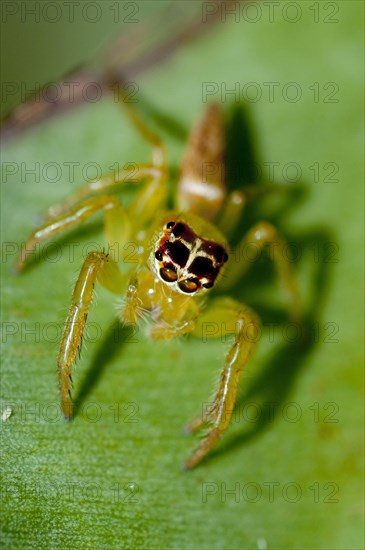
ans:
x=169 y=225
x=188 y=285
x=168 y=274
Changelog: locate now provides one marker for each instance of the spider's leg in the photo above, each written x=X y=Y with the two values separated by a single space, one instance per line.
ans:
x=117 y=224
x=261 y=234
x=151 y=197
x=226 y=316
x=236 y=201
x=130 y=174
x=158 y=150
x=154 y=172
x=100 y=267
x=231 y=212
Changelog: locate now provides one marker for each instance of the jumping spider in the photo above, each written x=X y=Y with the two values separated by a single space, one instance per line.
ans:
x=182 y=254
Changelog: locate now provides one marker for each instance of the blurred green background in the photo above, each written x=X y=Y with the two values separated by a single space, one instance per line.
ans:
x=289 y=472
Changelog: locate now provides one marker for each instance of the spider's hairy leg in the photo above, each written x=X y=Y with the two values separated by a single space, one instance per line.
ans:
x=117 y=225
x=130 y=174
x=151 y=198
x=149 y=201
x=231 y=212
x=263 y=234
x=100 y=267
x=158 y=150
x=236 y=201
x=224 y=317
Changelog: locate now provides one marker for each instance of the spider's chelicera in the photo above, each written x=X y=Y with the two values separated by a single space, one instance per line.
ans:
x=181 y=256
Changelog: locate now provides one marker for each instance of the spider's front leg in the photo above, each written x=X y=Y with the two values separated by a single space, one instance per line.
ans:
x=154 y=173
x=100 y=267
x=225 y=317
x=117 y=224
x=107 y=184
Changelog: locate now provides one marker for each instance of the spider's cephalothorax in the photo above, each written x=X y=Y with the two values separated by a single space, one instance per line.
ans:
x=186 y=261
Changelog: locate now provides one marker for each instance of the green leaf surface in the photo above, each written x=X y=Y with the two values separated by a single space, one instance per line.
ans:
x=288 y=474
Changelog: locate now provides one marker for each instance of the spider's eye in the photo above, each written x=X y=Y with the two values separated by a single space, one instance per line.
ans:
x=208 y=285
x=169 y=225
x=188 y=285
x=158 y=256
x=168 y=274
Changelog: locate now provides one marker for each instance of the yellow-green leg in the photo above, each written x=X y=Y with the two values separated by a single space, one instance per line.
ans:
x=225 y=317
x=100 y=267
x=158 y=150
x=117 y=225
x=260 y=235
x=131 y=173
x=152 y=197
x=236 y=201
x=231 y=212
x=107 y=184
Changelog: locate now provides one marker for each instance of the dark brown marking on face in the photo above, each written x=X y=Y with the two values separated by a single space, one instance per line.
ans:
x=181 y=230
x=216 y=250
x=203 y=268
x=178 y=252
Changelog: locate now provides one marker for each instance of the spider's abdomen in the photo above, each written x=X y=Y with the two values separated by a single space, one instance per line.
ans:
x=201 y=188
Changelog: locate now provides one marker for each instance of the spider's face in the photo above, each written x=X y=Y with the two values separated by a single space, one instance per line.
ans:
x=186 y=261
